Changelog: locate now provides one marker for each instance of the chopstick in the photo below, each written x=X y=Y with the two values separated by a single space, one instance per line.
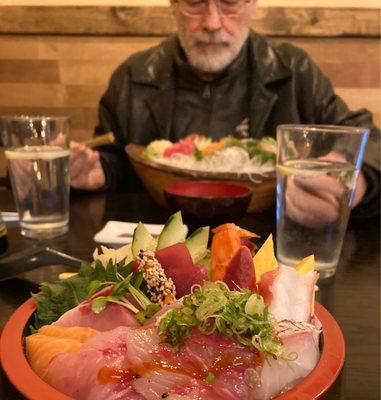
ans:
x=100 y=140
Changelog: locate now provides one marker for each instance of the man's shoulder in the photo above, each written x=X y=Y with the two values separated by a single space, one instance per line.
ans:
x=147 y=65
x=266 y=48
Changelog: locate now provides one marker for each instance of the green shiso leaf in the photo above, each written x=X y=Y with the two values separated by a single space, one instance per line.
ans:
x=56 y=298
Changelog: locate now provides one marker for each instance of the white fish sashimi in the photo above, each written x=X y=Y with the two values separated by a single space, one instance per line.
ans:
x=113 y=316
x=280 y=375
x=292 y=295
x=155 y=383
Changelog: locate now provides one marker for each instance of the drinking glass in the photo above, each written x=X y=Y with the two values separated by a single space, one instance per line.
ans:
x=317 y=170
x=37 y=152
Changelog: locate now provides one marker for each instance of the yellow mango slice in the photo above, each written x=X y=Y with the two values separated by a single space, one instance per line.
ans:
x=264 y=260
x=306 y=265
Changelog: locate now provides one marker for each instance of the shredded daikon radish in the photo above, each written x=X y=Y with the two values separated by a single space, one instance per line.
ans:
x=231 y=159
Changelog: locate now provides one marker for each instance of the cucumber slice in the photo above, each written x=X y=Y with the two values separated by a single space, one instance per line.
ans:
x=174 y=231
x=142 y=240
x=197 y=243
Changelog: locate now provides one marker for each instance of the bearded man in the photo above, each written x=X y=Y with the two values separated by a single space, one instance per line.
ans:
x=216 y=77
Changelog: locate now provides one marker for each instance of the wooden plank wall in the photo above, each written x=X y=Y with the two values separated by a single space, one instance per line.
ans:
x=157 y=20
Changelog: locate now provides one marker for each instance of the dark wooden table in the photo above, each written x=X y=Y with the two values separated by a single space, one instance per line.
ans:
x=352 y=296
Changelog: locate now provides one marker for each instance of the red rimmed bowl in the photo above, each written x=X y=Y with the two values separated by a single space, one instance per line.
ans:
x=22 y=376
x=208 y=200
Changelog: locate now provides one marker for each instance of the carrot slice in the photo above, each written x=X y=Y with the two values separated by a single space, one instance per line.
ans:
x=224 y=245
x=243 y=232
x=212 y=148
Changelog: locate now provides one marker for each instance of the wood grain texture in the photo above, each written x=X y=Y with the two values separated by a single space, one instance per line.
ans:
x=157 y=21
x=266 y=3
x=41 y=71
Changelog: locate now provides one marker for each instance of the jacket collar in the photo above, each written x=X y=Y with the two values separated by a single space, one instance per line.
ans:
x=269 y=65
x=158 y=67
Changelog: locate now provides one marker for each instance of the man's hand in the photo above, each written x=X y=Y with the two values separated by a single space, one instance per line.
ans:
x=315 y=202
x=86 y=171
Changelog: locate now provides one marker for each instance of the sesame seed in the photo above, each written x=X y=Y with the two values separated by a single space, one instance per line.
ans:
x=161 y=288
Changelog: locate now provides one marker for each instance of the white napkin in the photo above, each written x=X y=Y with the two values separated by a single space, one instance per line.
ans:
x=10 y=216
x=118 y=233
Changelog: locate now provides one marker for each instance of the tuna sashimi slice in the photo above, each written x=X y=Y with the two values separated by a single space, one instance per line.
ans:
x=183 y=147
x=113 y=316
x=240 y=272
x=178 y=265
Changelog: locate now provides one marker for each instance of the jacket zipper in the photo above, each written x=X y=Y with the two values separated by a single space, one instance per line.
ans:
x=207 y=92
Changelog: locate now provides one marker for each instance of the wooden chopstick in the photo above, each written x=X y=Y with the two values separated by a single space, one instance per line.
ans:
x=100 y=140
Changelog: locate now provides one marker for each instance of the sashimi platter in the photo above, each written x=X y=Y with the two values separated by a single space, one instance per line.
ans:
x=229 y=154
x=210 y=316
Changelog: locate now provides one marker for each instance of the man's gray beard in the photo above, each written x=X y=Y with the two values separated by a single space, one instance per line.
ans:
x=212 y=62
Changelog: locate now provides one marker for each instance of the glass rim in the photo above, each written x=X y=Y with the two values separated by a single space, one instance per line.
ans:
x=33 y=118
x=328 y=129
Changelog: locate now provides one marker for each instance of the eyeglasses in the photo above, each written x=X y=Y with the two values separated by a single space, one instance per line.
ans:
x=196 y=8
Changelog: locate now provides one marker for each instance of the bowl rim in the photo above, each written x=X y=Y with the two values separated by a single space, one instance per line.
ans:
x=18 y=370
x=134 y=152
x=246 y=192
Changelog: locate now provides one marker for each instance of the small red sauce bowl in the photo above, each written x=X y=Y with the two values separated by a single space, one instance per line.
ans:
x=20 y=373
x=207 y=200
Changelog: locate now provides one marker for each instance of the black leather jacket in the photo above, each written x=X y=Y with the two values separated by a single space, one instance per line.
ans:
x=285 y=87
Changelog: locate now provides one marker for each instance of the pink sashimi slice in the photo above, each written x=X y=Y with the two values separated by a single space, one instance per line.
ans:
x=204 y=354
x=78 y=375
x=240 y=271
x=113 y=316
x=184 y=147
x=199 y=392
x=156 y=371
x=178 y=265
x=291 y=294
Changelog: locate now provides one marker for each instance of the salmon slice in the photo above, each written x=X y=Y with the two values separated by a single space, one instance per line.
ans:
x=75 y=332
x=50 y=341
